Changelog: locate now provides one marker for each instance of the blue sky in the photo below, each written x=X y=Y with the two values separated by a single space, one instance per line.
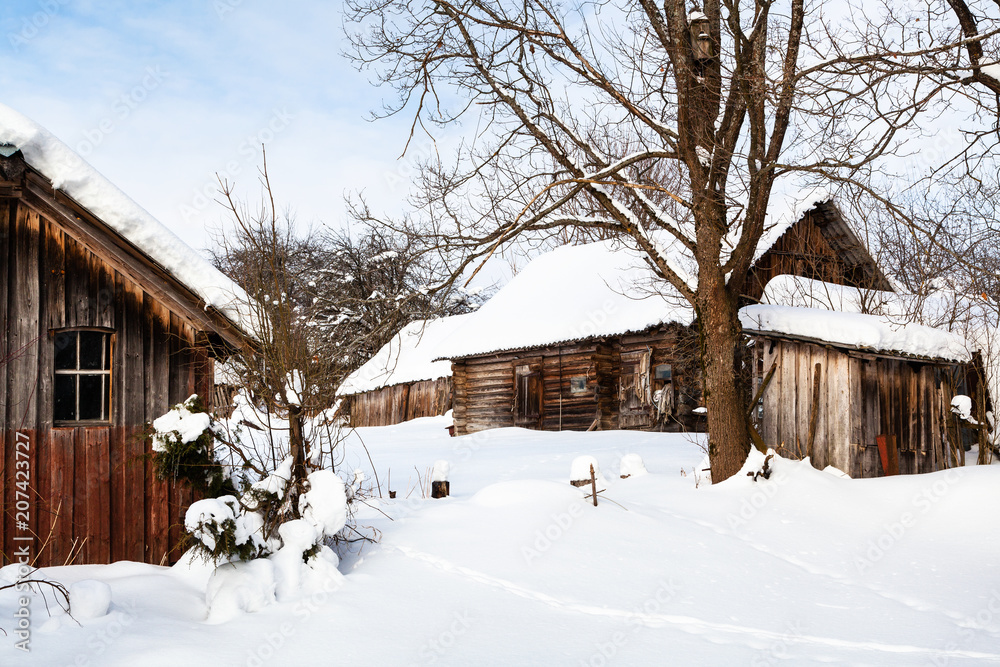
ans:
x=161 y=96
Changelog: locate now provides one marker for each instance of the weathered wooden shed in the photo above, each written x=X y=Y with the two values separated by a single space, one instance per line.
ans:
x=588 y=337
x=579 y=339
x=107 y=320
x=858 y=392
x=402 y=381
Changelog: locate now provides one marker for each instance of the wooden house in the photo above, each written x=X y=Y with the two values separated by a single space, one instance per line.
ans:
x=861 y=393
x=402 y=381
x=107 y=319
x=587 y=337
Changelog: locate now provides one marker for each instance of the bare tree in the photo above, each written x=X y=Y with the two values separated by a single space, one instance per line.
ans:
x=581 y=110
x=322 y=303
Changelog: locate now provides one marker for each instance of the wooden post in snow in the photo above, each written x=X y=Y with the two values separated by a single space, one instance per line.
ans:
x=593 y=484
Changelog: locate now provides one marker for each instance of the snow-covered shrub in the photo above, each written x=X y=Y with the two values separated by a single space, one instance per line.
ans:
x=182 y=447
x=223 y=531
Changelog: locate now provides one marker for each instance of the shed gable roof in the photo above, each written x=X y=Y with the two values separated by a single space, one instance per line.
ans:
x=856 y=331
x=568 y=294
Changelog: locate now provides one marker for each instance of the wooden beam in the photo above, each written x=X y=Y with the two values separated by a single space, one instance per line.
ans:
x=10 y=190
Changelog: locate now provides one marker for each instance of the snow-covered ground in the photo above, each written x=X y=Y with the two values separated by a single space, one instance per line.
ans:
x=516 y=569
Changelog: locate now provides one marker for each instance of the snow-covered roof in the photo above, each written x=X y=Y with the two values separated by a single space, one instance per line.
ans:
x=598 y=289
x=570 y=293
x=856 y=331
x=785 y=210
x=71 y=174
x=788 y=290
x=408 y=357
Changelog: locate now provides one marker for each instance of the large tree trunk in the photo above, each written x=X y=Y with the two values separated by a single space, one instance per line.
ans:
x=725 y=397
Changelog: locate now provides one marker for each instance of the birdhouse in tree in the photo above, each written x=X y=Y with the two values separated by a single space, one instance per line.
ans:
x=701 y=40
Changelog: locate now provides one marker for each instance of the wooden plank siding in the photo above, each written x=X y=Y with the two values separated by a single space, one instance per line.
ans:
x=862 y=396
x=399 y=403
x=93 y=489
x=821 y=246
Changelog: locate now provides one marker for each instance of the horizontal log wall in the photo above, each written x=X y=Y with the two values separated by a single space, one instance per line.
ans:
x=92 y=489
x=401 y=402
x=860 y=397
x=484 y=385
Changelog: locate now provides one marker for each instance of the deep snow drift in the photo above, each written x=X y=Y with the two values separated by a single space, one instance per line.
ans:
x=515 y=568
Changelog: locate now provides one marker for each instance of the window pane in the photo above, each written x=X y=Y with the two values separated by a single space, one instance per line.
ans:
x=65 y=398
x=91 y=396
x=65 y=349
x=92 y=350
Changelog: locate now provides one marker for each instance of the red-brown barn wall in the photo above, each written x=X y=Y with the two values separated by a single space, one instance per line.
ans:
x=92 y=490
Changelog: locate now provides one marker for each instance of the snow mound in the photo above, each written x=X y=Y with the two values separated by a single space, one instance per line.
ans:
x=295 y=575
x=324 y=505
x=89 y=599
x=580 y=470
x=441 y=470
x=239 y=587
x=631 y=465
x=528 y=492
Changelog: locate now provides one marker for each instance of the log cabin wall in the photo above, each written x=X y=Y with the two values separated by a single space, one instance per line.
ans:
x=582 y=384
x=401 y=402
x=485 y=388
x=674 y=346
x=858 y=398
x=92 y=491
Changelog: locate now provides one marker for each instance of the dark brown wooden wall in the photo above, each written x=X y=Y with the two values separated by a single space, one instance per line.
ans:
x=484 y=385
x=801 y=251
x=92 y=490
x=861 y=397
x=401 y=402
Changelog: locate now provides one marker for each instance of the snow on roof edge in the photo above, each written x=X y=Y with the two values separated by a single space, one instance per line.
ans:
x=74 y=176
x=564 y=341
x=855 y=330
x=409 y=357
